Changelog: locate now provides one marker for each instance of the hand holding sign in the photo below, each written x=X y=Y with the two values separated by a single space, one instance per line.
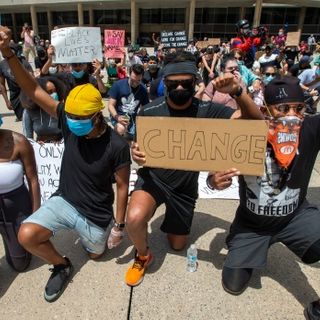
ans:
x=138 y=156
x=223 y=179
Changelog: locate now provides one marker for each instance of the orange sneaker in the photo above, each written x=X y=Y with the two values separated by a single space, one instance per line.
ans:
x=135 y=274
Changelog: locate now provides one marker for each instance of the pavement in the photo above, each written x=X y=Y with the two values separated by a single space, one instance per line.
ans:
x=97 y=291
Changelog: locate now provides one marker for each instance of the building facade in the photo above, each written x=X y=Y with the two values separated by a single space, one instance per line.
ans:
x=140 y=18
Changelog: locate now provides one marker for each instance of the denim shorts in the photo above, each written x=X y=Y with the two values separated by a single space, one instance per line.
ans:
x=57 y=214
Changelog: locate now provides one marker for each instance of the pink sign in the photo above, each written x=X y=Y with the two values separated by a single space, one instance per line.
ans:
x=114 y=43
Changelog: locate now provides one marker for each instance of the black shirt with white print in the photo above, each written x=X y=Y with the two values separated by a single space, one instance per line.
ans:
x=180 y=180
x=270 y=202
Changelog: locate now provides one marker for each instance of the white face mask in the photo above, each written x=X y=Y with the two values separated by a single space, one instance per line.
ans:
x=53 y=70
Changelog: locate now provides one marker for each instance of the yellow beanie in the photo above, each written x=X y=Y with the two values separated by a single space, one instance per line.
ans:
x=84 y=100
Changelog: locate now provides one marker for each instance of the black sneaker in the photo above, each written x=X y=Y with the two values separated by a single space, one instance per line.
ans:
x=58 y=281
x=312 y=312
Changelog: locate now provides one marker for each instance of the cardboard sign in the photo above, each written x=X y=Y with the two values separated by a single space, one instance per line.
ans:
x=203 y=144
x=48 y=158
x=174 y=39
x=210 y=42
x=214 y=41
x=293 y=38
x=114 y=43
x=76 y=44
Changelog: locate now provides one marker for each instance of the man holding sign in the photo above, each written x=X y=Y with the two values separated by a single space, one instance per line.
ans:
x=93 y=155
x=176 y=188
x=273 y=208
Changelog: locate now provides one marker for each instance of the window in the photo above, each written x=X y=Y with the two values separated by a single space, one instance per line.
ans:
x=21 y=18
x=121 y=16
x=312 y=16
x=65 y=18
x=6 y=19
x=86 y=19
x=42 y=18
x=157 y=16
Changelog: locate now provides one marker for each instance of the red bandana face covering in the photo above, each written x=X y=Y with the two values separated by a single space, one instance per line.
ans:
x=284 y=137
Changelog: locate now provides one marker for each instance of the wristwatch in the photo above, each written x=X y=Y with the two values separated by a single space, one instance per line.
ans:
x=238 y=93
x=119 y=225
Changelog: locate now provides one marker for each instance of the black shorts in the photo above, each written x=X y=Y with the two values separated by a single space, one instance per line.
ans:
x=179 y=206
x=248 y=249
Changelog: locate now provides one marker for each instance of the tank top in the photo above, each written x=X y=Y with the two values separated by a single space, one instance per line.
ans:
x=11 y=175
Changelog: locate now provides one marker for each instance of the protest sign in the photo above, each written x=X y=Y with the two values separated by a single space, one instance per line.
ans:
x=174 y=39
x=48 y=159
x=203 y=144
x=210 y=42
x=293 y=39
x=114 y=43
x=76 y=44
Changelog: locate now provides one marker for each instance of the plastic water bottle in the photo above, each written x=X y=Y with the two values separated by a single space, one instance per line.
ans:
x=192 y=257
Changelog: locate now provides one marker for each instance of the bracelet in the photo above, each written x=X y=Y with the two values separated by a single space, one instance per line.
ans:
x=208 y=182
x=238 y=93
x=119 y=225
x=8 y=58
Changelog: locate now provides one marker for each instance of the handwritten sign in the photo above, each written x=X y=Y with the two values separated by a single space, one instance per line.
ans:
x=76 y=44
x=174 y=39
x=210 y=42
x=48 y=158
x=293 y=38
x=114 y=43
x=203 y=144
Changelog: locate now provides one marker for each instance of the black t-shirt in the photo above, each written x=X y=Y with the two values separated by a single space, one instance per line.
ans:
x=180 y=180
x=87 y=169
x=269 y=202
x=39 y=63
x=14 y=88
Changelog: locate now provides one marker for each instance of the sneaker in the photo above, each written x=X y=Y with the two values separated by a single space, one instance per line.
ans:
x=312 y=312
x=135 y=274
x=115 y=238
x=58 y=281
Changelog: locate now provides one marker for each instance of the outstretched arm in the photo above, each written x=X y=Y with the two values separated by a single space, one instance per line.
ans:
x=26 y=82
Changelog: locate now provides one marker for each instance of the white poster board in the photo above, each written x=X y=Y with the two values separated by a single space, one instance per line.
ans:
x=76 y=44
x=48 y=158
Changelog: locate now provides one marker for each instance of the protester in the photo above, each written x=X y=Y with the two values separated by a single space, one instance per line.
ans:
x=126 y=97
x=37 y=120
x=152 y=72
x=27 y=35
x=273 y=208
x=85 y=196
x=14 y=89
x=176 y=188
x=209 y=60
x=228 y=65
x=17 y=201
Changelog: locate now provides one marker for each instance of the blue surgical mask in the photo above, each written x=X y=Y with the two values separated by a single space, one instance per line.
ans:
x=78 y=74
x=80 y=127
x=240 y=62
x=1 y=122
x=54 y=96
x=266 y=80
x=318 y=72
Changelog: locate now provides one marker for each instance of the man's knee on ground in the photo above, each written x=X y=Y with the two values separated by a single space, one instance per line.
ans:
x=177 y=242
x=20 y=264
x=135 y=217
x=312 y=255
x=235 y=280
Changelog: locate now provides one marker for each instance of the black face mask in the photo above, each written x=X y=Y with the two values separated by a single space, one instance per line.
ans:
x=180 y=97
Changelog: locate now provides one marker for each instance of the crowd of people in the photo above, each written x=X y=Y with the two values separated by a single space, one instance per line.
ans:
x=252 y=76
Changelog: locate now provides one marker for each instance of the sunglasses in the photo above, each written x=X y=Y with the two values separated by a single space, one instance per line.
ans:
x=268 y=74
x=232 y=69
x=174 y=84
x=285 y=107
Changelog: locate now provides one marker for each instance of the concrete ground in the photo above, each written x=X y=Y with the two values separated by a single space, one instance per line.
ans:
x=97 y=291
